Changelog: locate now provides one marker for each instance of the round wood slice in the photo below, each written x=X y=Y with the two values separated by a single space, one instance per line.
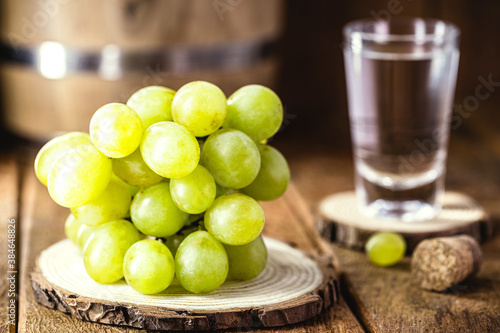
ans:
x=292 y=288
x=340 y=221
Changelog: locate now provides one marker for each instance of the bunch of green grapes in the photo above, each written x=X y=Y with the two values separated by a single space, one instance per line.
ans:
x=168 y=185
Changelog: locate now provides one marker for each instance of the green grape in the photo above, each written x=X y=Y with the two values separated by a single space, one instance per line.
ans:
x=385 y=248
x=246 y=261
x=154 y=212
x=201 y=263
x=104 y=252
x=112 y=204
x=54 y=149
x=221 y=190
x=195 y=192
x=170 y=150
x=231 y=157
x=83 y=235
x=199 y=106
x=255 y=110
x=273 y=177
x=71 y=227
x=79 y=176
x=134 y=171
x=235 y=219
x=173 y=242
x=148 y=267
x=116 y=130
x=153 y=104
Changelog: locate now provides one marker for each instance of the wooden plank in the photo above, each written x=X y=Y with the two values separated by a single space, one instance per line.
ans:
x=8 y=213
x=43 y=225
x=388 y=300
x=289 y=218
x=341 y=318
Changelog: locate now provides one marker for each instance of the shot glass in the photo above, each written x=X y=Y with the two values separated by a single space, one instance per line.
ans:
x=401 y=78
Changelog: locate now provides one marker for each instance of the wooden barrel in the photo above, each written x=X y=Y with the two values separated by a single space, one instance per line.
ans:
x=63 y=59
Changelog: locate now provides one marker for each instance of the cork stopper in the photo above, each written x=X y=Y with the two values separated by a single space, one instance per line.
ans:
x=440 y=263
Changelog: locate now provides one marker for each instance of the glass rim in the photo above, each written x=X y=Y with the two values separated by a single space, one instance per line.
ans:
x=448 y=30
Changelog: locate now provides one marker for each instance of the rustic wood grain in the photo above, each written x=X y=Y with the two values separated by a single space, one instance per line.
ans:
x=9 y=178
x=43 y=225
x=387 y=299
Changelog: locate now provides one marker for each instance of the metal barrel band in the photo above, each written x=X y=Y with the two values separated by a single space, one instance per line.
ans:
x=55 y=60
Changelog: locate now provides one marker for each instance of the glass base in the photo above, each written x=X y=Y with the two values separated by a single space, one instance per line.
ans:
x=416 y=203
x=406 y=211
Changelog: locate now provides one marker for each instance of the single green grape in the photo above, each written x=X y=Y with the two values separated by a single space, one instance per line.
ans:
x=134 y=171
x=256 y=111
x=105 y=249
x=170 y=150
x=232 y=158
x=116 y=130
x=79 y=176
x=173 y=242
x=153 y=104
x=235 y=219
x=148 y=267
x=273 y=177
x=55 y=149
x=385 y=248
x=71 y=227
x=246 y=261
x=154 y=212
x=195 y=192
x=201 y=263
x=199 y=106
x=112 y=204
x=83 y=235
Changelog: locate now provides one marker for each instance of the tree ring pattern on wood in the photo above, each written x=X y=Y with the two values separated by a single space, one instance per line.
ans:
x=292 y=288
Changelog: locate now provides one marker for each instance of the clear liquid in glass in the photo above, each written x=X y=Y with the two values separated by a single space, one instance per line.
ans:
x=400 y=109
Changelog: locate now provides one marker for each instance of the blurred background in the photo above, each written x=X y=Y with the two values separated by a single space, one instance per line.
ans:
x=63 y=59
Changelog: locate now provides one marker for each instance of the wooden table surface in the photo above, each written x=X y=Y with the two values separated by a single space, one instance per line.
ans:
x=373 y=299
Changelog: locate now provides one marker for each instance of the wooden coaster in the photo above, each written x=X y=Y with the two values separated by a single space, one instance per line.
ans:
x=340 y=221
x=292 y=288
